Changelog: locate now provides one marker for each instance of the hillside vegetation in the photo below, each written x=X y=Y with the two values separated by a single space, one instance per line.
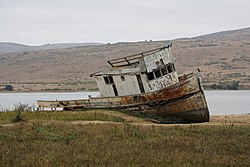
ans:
x=222 y=57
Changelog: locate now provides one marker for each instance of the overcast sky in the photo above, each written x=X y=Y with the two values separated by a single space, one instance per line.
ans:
x=37 y=22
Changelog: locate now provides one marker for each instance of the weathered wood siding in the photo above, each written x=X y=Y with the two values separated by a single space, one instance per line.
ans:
x=127 y=86
x=153 y=61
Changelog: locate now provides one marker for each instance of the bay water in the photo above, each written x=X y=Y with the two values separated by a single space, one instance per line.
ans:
x=219 y=102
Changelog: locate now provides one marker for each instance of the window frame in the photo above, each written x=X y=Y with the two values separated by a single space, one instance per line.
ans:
x=150 y=76
x=158 y=73
x=167 y=69
x=108 y=80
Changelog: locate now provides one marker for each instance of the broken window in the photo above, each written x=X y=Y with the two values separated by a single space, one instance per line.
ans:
x=108 y=80
x=111 y=80
x=161 y=72
x=150 y=76
x=164 y=71
x=170 y=68
x=157 y=73
x=162 y=63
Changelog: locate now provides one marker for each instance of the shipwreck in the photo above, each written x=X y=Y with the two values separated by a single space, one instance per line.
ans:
x=146 y=84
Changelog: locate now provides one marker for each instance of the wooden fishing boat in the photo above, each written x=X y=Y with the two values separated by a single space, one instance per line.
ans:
x=146 y=84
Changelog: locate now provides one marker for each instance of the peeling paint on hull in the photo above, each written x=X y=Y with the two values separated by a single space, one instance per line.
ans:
x=182 y=102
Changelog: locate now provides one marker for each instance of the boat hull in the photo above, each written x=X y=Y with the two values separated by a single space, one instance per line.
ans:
x=189 y=109
x=183 y=102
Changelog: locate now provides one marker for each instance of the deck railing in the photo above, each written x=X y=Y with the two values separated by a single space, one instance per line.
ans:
x=132 y=59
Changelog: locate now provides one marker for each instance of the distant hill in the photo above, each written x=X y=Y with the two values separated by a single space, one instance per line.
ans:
x=7 y=47
x=222 y=57
x=236 y=34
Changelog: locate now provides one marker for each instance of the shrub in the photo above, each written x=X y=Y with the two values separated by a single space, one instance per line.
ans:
x=8 y=87
x=19 y=118
x=22 y=107
x=231 y=85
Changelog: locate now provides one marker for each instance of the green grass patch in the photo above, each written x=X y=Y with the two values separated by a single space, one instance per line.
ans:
x=123 y=145
x=14 y=116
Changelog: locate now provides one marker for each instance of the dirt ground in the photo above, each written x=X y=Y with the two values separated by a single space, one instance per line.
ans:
x=232 y=120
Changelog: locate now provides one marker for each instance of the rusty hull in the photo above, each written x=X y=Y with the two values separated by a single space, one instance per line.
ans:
x=182 y=102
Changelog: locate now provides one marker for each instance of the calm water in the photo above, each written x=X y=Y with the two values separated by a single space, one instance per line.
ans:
x=228 y=102
x=9 y=100
x=219 y=102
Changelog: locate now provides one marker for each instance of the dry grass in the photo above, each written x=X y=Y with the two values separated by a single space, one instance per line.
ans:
x=74 y=142
x=29 y=116
x=231 y=119
x=123 y=145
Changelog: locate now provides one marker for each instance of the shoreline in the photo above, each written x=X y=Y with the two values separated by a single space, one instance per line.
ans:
x=61 y=91
x=70 y=91
x=55 y=117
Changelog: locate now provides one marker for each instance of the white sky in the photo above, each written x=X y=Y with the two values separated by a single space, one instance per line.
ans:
x=36 y=22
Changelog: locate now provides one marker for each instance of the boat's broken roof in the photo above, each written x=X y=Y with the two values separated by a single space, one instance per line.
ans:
x=118 y=71
x=132 y=59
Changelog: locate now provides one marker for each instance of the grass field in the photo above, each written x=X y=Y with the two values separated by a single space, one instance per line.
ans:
x=28 y=116
x=62 y=139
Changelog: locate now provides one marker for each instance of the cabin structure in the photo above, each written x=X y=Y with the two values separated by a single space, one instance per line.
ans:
x=140 y=73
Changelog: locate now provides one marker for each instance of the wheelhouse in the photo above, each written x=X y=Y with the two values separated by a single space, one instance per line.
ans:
x=140 y=73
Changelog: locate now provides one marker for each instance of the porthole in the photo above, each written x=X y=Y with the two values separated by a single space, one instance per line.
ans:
x=122 y=78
